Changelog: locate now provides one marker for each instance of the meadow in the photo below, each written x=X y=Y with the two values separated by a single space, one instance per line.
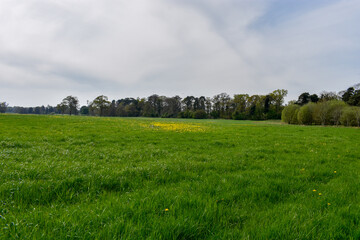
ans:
x=75 y=177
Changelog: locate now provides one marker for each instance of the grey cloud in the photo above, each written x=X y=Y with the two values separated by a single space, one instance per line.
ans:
x=135 y=48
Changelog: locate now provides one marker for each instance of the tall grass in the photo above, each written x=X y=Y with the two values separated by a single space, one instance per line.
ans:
x=122 y=178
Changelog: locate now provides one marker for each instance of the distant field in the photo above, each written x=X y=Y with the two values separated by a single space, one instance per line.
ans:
x=110 y=178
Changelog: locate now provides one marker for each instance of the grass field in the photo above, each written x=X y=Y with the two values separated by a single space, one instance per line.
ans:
x=133 y=178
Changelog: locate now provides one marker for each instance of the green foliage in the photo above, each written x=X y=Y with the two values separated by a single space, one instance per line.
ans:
x=84 y=110
x=305 y=114
x=72 y=104
x=348 y=117
x=99 y=105
x=3 y=107
x=113 y=178
x=289 y=114
x=322 y=113
x=238 y=115
x=335 y=110
x=200 y=114
x=294 y=118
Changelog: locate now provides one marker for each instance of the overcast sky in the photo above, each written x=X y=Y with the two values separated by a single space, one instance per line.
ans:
x=53 y=48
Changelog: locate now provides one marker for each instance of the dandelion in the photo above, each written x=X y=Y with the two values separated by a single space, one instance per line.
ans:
x=314 y=190
x=334 y=171
x=166 y=209
x=320 y=193
x=176 y=127
x=329 y=204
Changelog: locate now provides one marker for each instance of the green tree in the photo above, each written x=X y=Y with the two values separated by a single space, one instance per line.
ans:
x=348 y=94
x=200 y=114
x=61 y=107
x=290 y=113
x=357 y=115
x=3 y=107
x=335 y=110
x=303 y=99
x=348 y=117
x=314 y=98
x=321 y=113
x=278 y=98
x=305 y=114
x=328 y=96
x=72 y=104
x=112 y=109
x=99 y=105
x=172 y=107
x=84 y=110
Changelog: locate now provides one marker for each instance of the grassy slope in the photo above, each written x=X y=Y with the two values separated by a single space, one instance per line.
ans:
x=79 y=177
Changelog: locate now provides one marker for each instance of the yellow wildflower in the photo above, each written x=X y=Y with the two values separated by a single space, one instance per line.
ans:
x=314 y=190
x=176 y=127
x=334 y=171
x=320 y=193
x=329 y=204
x=166 y=209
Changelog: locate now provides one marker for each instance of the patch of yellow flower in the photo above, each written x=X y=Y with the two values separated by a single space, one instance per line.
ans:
x=176 y=127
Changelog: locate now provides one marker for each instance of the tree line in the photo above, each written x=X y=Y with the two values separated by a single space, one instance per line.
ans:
x=328 y=109
x=240 y=107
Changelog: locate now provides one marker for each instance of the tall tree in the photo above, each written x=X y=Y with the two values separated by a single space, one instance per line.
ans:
x=278 y=98
x=3 y=107
x=61 y=107
x=188 y=103
x=112 y=109
x=328 y=96
x=84 y=110
x=100 y=104
x=348 y=94
x=72 y=104
x=267 y=103
x=314 y=98
x=303 y=99
x=172 y=106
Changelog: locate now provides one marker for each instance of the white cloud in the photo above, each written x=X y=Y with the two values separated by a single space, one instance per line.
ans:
x=136 y=48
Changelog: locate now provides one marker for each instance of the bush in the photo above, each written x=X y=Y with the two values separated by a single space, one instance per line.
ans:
x=357 y=115
x=237 y=115
x=322 y=113
x=288 y=114
x=186 y=114
x=305 y=114
x=335 y=110
x=348 y=117
x=199 y=114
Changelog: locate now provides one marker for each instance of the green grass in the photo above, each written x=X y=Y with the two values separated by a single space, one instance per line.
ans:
x=112 y=178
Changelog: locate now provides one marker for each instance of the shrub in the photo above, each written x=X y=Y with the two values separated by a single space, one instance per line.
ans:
x=237 y=115
x=321 y=113
x=348 y=116
x=199 y=114
x=186 y=114
x=294 y=119
x=335 y=110
x=289 y=112
x=305 y=114
x=357 y=115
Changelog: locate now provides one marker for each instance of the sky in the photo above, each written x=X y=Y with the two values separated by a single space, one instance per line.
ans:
x=50 y=49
